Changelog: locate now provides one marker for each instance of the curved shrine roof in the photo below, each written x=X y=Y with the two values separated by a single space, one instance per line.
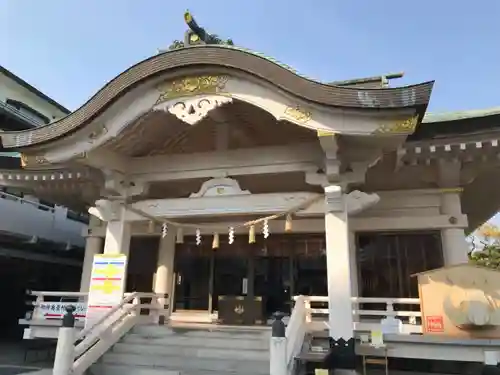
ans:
x=224 y=58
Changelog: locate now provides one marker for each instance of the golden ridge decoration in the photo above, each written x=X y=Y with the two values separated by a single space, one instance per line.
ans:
x=191 y=86
x=398 y=127
x=299 y=114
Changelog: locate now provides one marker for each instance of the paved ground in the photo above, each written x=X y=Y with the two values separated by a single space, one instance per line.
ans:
x=12 y=359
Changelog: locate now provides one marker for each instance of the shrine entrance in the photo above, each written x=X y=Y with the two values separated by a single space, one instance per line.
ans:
x=262 y=277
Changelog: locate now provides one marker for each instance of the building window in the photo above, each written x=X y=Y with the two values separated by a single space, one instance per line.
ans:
x=386 y=262
x=27 y=111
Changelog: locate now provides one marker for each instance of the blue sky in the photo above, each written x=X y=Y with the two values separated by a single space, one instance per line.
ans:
x=71 y=48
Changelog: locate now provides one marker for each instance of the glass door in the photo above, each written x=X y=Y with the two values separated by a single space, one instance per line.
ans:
x=192 y=278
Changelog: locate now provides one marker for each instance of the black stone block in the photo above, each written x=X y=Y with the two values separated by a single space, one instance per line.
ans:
x=341 y=355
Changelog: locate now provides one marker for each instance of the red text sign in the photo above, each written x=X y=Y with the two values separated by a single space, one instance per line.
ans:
x=435 y=323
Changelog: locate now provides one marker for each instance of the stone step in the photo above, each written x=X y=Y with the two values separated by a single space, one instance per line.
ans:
x=195 y=342
x=152 y=330
x=195 y=352
x=193 y=364
x=110 y=369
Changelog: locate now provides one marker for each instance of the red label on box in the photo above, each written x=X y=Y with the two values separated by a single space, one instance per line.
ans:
x=435 y=323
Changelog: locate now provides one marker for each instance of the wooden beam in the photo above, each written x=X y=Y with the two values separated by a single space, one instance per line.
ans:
x=260 y=160
x=106 y=160
x=317 y=225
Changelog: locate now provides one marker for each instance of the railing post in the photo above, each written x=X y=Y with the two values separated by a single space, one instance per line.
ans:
x=154 y=311
x=278 y=360
x=307 y=306
x=136 y=302
x=390 y=308
x=490 y=363
x=65 y=350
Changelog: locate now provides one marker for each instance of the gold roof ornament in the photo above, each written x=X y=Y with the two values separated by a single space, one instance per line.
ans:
x=191 y=86
x=399 y=127
x=299 y=114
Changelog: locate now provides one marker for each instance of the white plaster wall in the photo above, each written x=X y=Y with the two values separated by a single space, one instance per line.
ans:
x=21 y=217
x=10 y=89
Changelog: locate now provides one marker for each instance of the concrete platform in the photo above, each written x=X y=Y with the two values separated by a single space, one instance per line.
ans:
x=12 y=360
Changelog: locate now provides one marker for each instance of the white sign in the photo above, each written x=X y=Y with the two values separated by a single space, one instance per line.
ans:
x=107 y=284
x=244 y=287
x=56 y=310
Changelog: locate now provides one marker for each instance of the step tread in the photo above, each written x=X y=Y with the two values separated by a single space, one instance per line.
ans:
x=131 y=347
x=195 y=342
x=176 y=363
x=125 y=370
x=250 y=335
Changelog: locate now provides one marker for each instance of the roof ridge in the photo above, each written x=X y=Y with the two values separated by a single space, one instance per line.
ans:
x=460 y=115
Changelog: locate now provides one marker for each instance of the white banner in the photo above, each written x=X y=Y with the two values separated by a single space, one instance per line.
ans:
x=107 y=284
x=56 y=310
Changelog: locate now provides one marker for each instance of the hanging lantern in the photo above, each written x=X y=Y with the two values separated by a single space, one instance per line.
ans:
x=198 y=237
x=231 y=235
x=164 y=230
x=151 y=226
x=215 y=242
x=288 y=223
x=265 y=229
x=179 y=237
x=251 y=234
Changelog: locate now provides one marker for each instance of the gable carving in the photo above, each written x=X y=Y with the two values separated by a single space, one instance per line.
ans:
x=218 y=187
x=193 y=110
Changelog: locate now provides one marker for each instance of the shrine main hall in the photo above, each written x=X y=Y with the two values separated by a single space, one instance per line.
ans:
x=220 y=172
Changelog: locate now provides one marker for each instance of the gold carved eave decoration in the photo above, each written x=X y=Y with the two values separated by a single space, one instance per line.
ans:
x=32 y=160
x=398 y=127
x=298 y=113
x=191 y=86
x=325 y=133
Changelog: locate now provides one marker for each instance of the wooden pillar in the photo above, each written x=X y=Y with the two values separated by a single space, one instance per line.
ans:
x=211 y=277
x=338 y=265
x=291 y=271
x=93 y=246
x=251 y=272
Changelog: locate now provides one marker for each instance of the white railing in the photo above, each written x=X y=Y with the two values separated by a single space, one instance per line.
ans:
x=366 y=319
x=296 y=331
x=307 y=316
x=91 y=343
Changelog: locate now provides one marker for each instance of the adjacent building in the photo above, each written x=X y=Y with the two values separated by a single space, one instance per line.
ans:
x=41 y=242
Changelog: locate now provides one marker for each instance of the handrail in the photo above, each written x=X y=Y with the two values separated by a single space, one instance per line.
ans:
x=408 y=301
x=94 y=341
x=295 y=331
x=21 y=115
x=57 y=294
x=106 y=316
x=368 y=319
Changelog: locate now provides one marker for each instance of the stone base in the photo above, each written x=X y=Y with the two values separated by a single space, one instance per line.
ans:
x=342 y=355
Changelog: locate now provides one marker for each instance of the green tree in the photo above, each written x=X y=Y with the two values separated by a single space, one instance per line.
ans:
x=485 y=246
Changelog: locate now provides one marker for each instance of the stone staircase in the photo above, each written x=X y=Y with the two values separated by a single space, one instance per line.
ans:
x=155 y=350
